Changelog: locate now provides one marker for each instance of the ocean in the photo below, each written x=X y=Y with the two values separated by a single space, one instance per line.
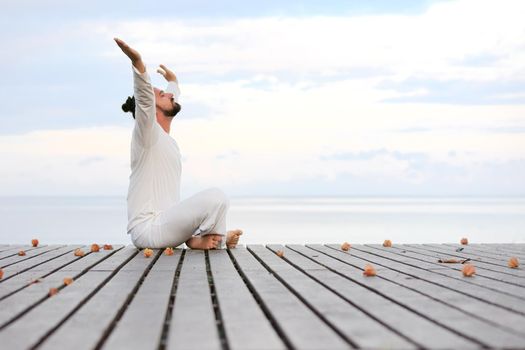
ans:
x=299 y=220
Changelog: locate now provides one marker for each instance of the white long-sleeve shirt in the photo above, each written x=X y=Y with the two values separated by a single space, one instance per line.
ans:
x=154 y=183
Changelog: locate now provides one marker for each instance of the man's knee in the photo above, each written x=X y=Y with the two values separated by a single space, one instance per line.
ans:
x=217 y=197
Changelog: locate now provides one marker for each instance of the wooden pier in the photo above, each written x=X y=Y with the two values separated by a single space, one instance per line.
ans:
x=313 y=297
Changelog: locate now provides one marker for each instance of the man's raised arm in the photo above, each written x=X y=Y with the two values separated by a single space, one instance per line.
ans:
x=145 y=113
x=171 y=78
x=133 y=55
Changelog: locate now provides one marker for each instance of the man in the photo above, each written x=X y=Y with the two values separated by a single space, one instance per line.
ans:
x=156 y=216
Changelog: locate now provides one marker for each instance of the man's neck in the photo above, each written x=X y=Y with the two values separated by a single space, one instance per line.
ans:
x=164 y=122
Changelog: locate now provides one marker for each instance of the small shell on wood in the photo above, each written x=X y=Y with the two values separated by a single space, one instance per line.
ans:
x=369 y=270
x=468 y=270
x=387 y=243
x=280 y=253
x=68 y=281
x=513 y=262
x=464 y=241
x=148 y=252
x=34 y=242
x=52 y=291
x=21 y=253
x=95 y=248
x=168 y=251
x=345 y=246
x=79 y=252
x=1 y=273
x=108 y=247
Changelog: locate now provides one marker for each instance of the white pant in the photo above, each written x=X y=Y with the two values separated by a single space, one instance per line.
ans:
x=201 y=214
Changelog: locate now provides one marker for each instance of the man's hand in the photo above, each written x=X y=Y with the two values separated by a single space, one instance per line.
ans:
x=133 y=55
x=166 y=73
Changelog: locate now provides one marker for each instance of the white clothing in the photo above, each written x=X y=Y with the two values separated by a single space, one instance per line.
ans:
x=156 y=217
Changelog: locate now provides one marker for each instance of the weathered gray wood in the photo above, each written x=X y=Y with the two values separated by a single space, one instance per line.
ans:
x=246 y=327
x=13 y=250
x=505 y=247
x=15 y=304
x=33 y=326
x=301 y=326
x=433 y=258
x=36 y=273
x=390 y=283
x=420 y=270
x=5 y=247
x=489 y=258
x=25 y=265
x=33 y=253
x=360 y=328
x=96 y=316
x=486 y=252
x=499 y=317
x=350 y=283
x=454 y=272
x=486 y=263
x=141 y=325
x=499 y=249
x=192 y=324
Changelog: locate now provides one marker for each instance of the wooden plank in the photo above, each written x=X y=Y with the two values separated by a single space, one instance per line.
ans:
x=94 y=319
x=486 y=252
x=480 y=261
x=16 y=304
x=362 y=330
x=13 y=250
x=420 y=270
x=192 y=325
x=499 y=249
x=433 y=258
x=5 y=247
x=471 y=253
x=246 y=327
x=349 y=282
x=300 y=326
x=29 y=330
x=506 y=247
x=509 y=249
x=25 y=265
x=12 y=260
x=454 y=272
x=11 y=256
x=20 y=281
x=141 y=325
x=466 y=315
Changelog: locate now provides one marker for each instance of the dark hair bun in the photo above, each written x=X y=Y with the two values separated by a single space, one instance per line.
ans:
x=129 y=105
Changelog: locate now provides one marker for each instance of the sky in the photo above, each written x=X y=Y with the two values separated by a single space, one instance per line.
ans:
x=279 y=98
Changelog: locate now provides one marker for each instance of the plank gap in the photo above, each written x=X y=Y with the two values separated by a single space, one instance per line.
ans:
x=387 y=297
x=261 y=303
x=301 y=298
x=165 y=329
x=118 y=316
x=41 y=300
x=83 y=301
x=215 y=303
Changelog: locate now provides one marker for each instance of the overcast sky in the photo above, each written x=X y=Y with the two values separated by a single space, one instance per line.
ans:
x=278 y=97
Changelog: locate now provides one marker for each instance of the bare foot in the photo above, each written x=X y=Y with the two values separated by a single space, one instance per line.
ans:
x=232 y=238
x=210 y=241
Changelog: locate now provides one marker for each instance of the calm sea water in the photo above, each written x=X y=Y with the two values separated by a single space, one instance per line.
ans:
x=281 y=220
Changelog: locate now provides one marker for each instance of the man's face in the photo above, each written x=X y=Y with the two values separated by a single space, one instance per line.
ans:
x=164 y=100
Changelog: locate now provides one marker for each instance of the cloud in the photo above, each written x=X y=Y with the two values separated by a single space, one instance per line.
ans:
x=274 y=102
x=457 y=91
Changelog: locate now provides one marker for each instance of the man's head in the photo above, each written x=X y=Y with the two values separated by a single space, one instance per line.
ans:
x=166 y=103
